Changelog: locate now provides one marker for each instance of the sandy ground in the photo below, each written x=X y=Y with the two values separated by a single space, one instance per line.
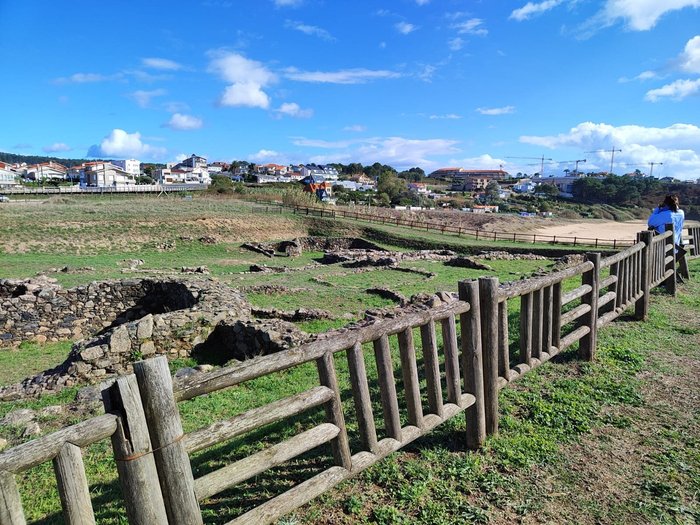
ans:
x=596 y=229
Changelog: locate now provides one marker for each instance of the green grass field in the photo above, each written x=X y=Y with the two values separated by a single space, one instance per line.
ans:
x=604 y=442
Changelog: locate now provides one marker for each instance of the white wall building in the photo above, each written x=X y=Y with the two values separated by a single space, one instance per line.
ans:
x=131 y=166
x=106 y=174
x=7 y=175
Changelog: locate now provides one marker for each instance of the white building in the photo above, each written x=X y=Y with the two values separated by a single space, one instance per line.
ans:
x=46 y=170
x=8 y=176
x=105 y=174
x=131 y=166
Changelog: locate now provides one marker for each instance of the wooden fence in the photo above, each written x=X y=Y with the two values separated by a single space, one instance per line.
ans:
x=152 y=451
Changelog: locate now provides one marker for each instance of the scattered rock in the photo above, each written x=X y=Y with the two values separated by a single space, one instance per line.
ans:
x=195 y=269
x=466 y=262
x=32 y=429
x=18 y=417
x=207 y=239
x=185 y=372
x=3 y=444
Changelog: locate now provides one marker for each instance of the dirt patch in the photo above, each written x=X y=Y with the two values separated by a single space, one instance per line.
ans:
x=596 y=229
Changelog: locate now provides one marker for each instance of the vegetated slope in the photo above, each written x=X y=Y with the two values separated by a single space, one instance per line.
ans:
x=614 y=441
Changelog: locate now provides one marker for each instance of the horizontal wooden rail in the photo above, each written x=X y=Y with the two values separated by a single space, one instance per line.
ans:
x=208 y=382
x=46 y=448
x=246 y=468
x=574 y=314
x=575 y=294
x=257 y=417
x=574 y=336
x=518 y=288
x=608 y=281
x=624 y=254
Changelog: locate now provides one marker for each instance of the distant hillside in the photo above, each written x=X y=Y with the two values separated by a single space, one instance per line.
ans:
x=35 y=159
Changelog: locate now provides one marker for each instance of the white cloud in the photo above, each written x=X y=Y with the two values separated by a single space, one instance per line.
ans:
x=505 y=110
x=642 y=15
x=690 y=58
x=57 y=147
x=471 y=27
x=162 y=64
x=456 y=44
x=344 y=76
x=143 y=98
x=448 y=116
x=677 y=146
x=677 y=90
x=247 y=78
x=287 y=3
x=84 y=78
x=532 y=9
x=422 y=2
x=399 y=152
x=292 y=109
x=263 y=155
x=357 y=128
x=120 y=144
x=644 y=75
x=183 y=122
x=482 y=162
x=309 y=29
x=405 y=28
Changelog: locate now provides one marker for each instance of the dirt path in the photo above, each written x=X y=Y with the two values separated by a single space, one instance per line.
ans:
x=596 y=229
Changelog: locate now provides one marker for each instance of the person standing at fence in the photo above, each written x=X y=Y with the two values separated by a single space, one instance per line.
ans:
x=669 y=212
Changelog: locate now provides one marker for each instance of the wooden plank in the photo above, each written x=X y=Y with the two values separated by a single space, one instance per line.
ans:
x=556 y=314
x=670 y=282
x=572 y=337
x=472 y=364
x=503 y=350
x=11 y=512
x=537 y=312
x=518 y=288
x=488 y=296
x=131 y=445
x=546 y=320
x=230 y=475
x=449 y=343
x=361 y=396
x=40 y=450
x=73 y=486
x=587 y=346
x=605 y=299
x=165 y=428
x=619 y=256
x=198 y=384
x=609 y=280
x=574 y=313
x=432 y=367
x=411 y=384
x=575 y=294
x=387 y=387
x=334 y=410
x=526 y=328
x=256 y=418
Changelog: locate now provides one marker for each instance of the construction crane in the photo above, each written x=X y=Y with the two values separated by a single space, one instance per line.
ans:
x=541 y=159
x=612 y=152
x=650 y=164
x=569 y=161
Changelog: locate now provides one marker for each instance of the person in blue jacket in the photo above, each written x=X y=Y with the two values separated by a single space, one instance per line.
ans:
x=668 y=212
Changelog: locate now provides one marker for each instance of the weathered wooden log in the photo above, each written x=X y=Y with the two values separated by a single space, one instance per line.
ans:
x=334 y=410
x=575 y=294
x=488 y=297
x=503 y=349
x=230 y=475
x=411 y=383
x=37 y=451
x=73 y=487
x=198 y=384
x=670 y=259
x=11 y=511
x=573 y=314
x=361 y=396
x=587 y=345
x=133 y=454
x=472 y=364
x=387 y=388
x=605 y=299
x=256 y=418
x=449 y=344
x=609 y=280
x=517 y=288
x=165 y=428
x=526 y=328
x=537 y=311
x=546 y=320
x=572 y=337
x=556 y=314
x=619 y=256
x=432 y=367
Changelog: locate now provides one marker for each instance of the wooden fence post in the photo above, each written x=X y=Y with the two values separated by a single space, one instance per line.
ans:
x=133 y=454
x=11 y=512
x=472 y=363
x=587 y=345
x=73 y=486
x=641 y=307
x=334 y=411
x=670 y=247
x=165 y=428
x=488 y=297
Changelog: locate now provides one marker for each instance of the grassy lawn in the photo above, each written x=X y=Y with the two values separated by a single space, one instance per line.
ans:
x=614 y=441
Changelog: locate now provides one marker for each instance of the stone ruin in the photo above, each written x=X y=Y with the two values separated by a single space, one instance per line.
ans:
x=124 y=321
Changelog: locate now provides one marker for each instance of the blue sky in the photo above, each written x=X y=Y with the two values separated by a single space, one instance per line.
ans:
x=429 y=83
